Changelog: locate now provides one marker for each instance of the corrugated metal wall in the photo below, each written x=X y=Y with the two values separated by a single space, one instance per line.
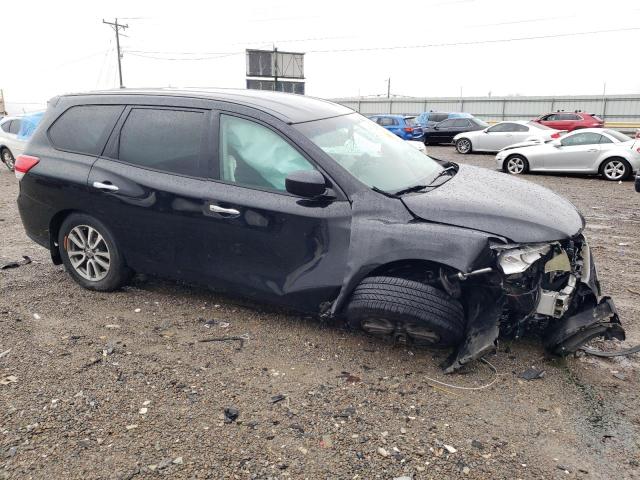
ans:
x=612 y=108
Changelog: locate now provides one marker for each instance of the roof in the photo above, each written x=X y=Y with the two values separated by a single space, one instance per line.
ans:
x=289 y=107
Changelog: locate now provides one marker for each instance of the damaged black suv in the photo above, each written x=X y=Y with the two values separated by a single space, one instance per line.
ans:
x=305 y=203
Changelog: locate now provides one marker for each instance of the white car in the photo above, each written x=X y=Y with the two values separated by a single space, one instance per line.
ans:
x=418 y=146
x=503 y=134
x=10 y=145
x=602 y=151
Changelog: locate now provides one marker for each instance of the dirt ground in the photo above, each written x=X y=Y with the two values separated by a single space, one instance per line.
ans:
x=119 y=386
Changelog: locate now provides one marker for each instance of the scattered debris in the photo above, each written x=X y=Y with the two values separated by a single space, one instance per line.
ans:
x=231 y=414
x=112 y=326
x=349 y=378
x=383 y=452
x=7 y=379
x=303 y=450
x=477 y=444
x=242 y=339
x=36 y=316
x=92 y=361
x=633 y=291
x=25 y=261
x=137 y=310
x=563 y=467
x=346 y=413
x=143 y=410
x=532 y=374
x=177 y=461
x=5 y=353
x=133 y=426
x=278 y=398
x=620 y=376
x=449 y=448
x=466 y=470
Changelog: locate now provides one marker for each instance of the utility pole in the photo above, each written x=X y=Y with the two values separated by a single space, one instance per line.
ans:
x=117 y=26
x=388 y=87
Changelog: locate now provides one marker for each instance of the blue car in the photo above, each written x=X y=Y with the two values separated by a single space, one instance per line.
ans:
x=404 y=127
x=429 y=119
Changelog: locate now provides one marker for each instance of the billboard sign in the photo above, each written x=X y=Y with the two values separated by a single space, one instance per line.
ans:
x=272 y=63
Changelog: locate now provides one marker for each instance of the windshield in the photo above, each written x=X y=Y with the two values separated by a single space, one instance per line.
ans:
x=371 y=153
x=410 y=121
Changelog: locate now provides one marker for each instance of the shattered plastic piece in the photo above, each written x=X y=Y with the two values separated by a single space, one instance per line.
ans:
x=6 y=380
x=242 y=339
x=231 y=414
x=532 y=374
x=450 y=449
x=25 y=261
x=278 y=398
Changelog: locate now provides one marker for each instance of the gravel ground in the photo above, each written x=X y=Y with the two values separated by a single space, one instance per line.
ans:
x=120 y=386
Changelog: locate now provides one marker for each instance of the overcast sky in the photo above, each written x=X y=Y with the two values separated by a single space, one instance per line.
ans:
x=62 y=46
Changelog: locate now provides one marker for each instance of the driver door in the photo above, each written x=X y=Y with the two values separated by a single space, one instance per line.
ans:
x=576 y=152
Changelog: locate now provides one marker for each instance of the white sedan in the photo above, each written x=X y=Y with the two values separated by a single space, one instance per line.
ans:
x=10 y=144
x=602 y=151
x=503 y=134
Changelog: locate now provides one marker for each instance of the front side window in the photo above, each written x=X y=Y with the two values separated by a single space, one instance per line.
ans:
x=168 y=140
x=253 y=155
x=445 y=124
x=15 y=126
x=584 y=138
x=373 y=155
x=85 y=128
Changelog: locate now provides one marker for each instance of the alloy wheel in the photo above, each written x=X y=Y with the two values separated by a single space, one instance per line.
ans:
x=88 y=253
x=515 y=165
x=463 y=145
x=615 y=170
x=8 y=159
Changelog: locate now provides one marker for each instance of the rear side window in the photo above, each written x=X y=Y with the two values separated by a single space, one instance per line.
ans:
x=6 y=126
x=386 y=121
x=461 y=122
x=15 y=126
x=169 y=140
x=438 y=117
x=85 y=128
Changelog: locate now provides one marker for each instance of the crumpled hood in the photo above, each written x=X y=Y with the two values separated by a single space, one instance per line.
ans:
x=497 y=203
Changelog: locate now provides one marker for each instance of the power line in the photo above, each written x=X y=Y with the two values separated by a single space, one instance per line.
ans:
x=474 y=42
x=130 y=52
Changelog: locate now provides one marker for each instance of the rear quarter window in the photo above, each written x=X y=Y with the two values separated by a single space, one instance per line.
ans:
x=84 y=128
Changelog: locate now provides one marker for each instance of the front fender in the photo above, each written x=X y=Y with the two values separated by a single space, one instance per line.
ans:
x=375 y=242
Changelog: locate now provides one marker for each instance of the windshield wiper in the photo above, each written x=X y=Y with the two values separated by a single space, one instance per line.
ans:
x=418 y=188
x=384 y=192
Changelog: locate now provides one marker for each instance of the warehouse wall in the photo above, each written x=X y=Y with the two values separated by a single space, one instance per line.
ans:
x=613 y=109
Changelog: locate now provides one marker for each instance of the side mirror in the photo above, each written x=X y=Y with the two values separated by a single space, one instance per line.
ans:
x=306 y=183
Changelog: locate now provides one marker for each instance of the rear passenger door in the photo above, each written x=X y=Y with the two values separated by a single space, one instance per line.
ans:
x=149 y=186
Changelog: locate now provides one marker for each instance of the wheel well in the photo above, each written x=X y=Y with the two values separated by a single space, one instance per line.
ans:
x=511 y=155
x=423 y=271
x=615 y=157
x=54 y=228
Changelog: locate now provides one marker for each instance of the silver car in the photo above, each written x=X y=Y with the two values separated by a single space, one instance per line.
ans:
x=503 y=134
x=607 y=152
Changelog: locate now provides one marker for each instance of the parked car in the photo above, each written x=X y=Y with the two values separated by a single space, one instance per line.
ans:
x=403 y=126
x=14 y=134
x=570 y=121
x=638 y=182
x=444 y=131
x=503 y=134
x=607 y=152
x=303 y=202
x=427 y=119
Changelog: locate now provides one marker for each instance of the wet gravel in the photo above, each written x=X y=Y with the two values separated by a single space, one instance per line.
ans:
x=120 y=386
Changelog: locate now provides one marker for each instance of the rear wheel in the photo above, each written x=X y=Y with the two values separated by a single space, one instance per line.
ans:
x=463 y=145
x=406 y=311
x=90 y=254
x=615 y=169
x=516 y=165
x=7 y=159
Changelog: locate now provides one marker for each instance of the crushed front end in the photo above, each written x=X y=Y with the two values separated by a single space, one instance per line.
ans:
x=549 y=290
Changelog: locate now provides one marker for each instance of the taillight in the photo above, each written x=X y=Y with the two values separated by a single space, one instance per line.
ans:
x=23 y=164
x=408 y=129
x=555 y=135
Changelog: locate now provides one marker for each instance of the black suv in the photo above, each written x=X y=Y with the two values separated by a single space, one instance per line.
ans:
x=303 y=202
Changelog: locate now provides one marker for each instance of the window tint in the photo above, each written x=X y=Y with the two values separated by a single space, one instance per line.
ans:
x=438 y=117
x=517 y=127
x=461 y=123
x=605 y=139
x=255 y=156
x=386 y=121
x=584 y=138
x=85 y=128
x=550 y=118
x=15 y=126
x=410 y=121
x=168 y=140
x=501 y=127
x=446 y=124
x=6 y=126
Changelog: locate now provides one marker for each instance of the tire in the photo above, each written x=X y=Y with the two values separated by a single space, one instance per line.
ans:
x=8 y=159
x=516 y=165
x=85 y=263
x=615 y=169
x=464 y=146
x=409 y=311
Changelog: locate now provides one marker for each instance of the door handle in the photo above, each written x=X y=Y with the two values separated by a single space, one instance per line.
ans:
x=105 y=186
x=592 y=150
x=225 y=212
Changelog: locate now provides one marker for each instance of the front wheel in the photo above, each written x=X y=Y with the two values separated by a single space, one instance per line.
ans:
x=615 y=169
x=516 y=165
x=7 y=159
x=90 y=254
x=406 y=311
x=463 y=145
